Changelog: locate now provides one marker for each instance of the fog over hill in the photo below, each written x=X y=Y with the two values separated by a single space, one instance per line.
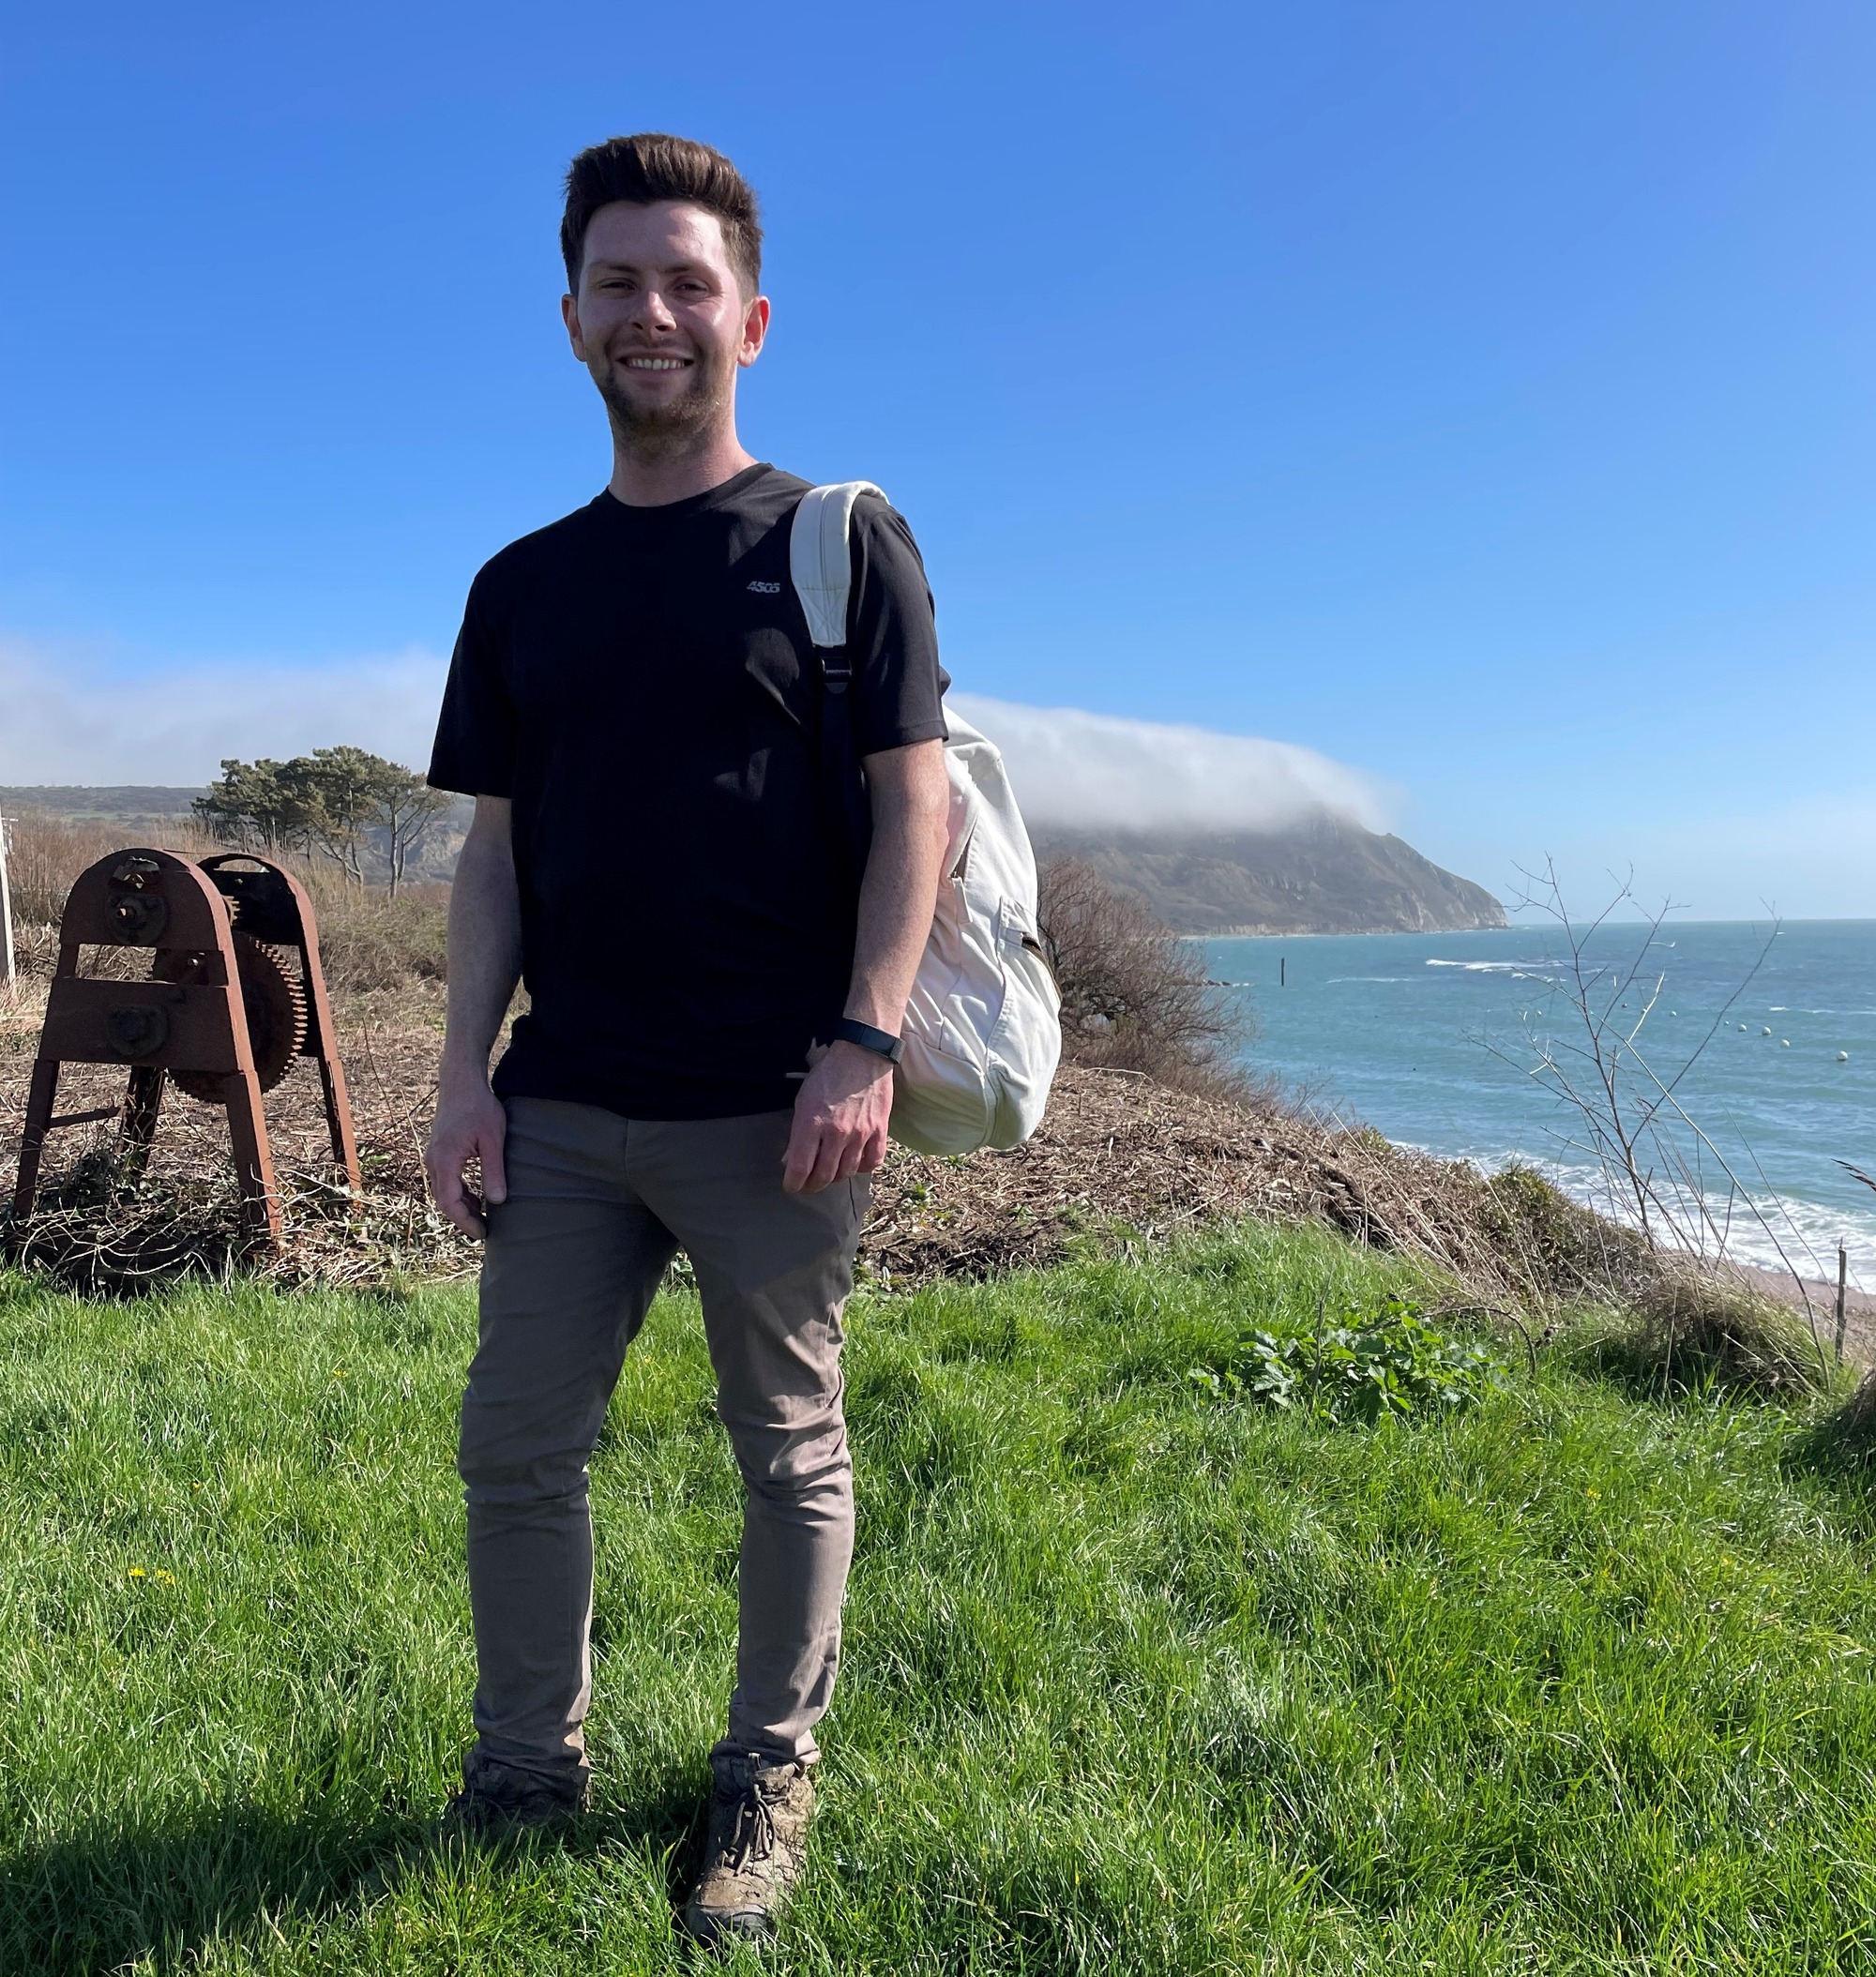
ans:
x=1223 y=833
x=1216 y=830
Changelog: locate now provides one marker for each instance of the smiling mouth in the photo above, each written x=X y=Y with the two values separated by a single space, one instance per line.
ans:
x=657 y=363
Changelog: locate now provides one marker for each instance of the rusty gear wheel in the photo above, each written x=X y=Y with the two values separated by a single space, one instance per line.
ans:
x=275 y=1003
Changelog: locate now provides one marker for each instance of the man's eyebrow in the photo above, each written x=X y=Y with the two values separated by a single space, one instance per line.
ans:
x=635 y=267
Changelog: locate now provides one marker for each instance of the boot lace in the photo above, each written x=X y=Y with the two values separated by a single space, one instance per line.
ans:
x=753 y=1837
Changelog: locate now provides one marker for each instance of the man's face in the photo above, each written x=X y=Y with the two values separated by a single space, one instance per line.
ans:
x=661 y=323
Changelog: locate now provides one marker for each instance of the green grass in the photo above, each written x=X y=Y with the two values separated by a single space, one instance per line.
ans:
x=1140 y=1677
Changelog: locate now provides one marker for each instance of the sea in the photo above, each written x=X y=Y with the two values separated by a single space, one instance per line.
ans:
x=1766 y=1035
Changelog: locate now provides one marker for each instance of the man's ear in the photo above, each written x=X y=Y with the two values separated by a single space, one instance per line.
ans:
x=570 y=314
x=755 y=331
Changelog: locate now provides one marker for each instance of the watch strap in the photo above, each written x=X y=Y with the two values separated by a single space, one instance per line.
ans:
x=882 y=1043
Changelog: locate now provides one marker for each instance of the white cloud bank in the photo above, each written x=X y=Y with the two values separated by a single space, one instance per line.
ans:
x=66 y=721
x=63 y=720
x=1095 y=771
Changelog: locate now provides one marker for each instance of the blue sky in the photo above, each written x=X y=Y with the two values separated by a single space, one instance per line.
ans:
x=1483 y=396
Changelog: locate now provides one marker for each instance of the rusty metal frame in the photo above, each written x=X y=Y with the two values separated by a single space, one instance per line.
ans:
x=165 y=902
x=299 y=929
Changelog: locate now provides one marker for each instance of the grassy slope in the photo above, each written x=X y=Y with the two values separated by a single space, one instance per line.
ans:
x=1137 y=1680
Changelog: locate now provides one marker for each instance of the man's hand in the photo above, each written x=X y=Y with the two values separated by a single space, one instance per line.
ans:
x=844 y=1106
x=469 y=1124
x=841 y=1115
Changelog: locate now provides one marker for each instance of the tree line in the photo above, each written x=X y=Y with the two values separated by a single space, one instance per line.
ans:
x=335 y=803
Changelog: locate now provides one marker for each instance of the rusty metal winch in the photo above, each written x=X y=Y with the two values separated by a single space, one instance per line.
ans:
x=234 y=994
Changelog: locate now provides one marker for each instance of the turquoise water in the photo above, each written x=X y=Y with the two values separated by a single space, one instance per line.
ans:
x=1400 y=1029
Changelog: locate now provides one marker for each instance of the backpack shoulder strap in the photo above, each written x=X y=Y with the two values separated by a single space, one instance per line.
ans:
x=821 y=561
x=821 y=557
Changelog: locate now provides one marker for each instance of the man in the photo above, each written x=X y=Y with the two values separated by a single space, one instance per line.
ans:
x=717 y=976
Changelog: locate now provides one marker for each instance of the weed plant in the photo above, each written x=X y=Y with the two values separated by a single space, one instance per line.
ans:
x=1140 y=1675
x=1365 y=1365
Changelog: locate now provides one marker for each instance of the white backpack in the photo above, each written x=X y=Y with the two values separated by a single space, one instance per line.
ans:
x=982 y=1029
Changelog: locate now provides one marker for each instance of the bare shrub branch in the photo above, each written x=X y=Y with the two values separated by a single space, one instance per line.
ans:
x=1660 y=1169
x=1135 y=997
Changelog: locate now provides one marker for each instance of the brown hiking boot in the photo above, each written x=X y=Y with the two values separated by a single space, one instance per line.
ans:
x=498 y=1802
x=758 y=1843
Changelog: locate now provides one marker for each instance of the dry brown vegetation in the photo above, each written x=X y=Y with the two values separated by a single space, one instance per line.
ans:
x=45 y=855
x=1133 y=999
x=1150 y=1131
x=1130 y=998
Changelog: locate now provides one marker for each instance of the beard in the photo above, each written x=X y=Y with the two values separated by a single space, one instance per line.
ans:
x=656 y=432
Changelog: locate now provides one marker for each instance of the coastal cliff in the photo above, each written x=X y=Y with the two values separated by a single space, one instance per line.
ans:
x=1327 y=876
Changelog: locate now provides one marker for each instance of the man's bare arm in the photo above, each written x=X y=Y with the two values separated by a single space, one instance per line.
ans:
x=845 y=1102
x=484 y=963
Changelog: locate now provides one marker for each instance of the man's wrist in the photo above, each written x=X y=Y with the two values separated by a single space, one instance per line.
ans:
x=870 y=1037
x=455 y=1072
x=870 y=1062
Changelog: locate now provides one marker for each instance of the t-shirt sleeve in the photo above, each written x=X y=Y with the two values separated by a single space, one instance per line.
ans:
x=475 y=749
x=892 y=637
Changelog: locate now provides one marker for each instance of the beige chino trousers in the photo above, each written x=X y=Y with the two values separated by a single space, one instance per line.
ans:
x=597 y=1207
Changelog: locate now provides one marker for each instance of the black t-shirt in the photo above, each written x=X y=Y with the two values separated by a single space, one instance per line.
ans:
x=641 y=683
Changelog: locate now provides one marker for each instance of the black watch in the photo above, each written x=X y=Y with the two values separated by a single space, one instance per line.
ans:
x=882 y=1043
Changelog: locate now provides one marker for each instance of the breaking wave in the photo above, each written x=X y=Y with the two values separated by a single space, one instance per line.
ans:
x=1496 y=966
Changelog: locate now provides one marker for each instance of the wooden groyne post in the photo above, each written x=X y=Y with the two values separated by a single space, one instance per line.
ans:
x=1843 y=1284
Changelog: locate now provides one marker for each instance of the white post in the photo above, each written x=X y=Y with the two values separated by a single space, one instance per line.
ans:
x=9 y=975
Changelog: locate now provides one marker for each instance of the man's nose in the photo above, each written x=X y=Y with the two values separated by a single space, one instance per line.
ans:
x=652 y=312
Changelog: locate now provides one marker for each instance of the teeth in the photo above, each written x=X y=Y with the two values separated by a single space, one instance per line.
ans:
x=654 y=363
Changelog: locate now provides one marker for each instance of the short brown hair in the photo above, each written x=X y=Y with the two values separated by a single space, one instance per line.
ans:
x=651 y=167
